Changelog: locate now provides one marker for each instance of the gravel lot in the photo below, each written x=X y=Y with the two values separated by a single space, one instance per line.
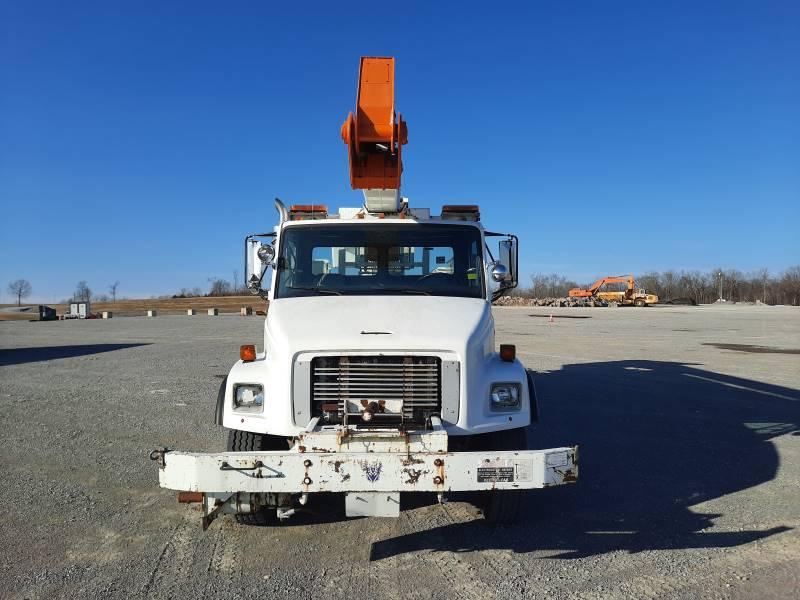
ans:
x=687 y=418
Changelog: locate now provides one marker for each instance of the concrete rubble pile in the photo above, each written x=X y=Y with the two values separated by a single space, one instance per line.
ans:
x=553 y=302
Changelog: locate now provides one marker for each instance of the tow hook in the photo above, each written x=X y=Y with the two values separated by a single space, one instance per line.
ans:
x=158 y=456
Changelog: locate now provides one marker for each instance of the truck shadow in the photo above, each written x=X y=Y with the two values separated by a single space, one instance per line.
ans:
x=19 y=356
x=656 y=439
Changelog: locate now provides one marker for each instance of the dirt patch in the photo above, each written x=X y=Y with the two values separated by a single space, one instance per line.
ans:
x=754 y=349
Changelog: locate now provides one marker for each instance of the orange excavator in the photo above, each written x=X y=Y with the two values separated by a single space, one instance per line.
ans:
x=375 y=135
x=630 y=296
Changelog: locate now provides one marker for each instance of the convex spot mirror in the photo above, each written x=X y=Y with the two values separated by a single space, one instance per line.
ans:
x=499 y=272
x=266 y=254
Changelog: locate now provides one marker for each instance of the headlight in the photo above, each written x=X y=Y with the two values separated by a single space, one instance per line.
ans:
x=505 y=396
x=248 y=396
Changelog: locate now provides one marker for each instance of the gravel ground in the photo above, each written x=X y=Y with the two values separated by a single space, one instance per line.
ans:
x=687 y=418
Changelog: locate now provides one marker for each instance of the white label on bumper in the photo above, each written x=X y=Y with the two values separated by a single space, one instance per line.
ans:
x=557 y=459
x=505 y=470
x=524 y=470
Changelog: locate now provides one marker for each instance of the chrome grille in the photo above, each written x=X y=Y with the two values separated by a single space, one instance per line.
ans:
x=408 y=386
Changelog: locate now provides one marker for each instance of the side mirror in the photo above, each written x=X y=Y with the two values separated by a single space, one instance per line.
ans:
x=257 y=257
x=499 y=272
x=508 y=256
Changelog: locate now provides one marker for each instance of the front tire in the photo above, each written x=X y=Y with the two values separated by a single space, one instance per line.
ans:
x=247 y=441
x=502 y=507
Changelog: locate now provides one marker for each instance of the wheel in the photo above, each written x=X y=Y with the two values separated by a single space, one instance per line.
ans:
x=639 y=302
x=262 y=518
x=247 y=441
x=502 y=507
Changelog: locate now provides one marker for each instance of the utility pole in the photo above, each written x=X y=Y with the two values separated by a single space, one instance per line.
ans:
x=720 y=285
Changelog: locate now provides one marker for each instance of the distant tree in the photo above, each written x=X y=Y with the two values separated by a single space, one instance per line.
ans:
x=790 y=285
x=550 y=286
x=650 y=282
x=83 y=292
x=219 y=287
x=733 y=278
x=667 y=283
x=112 y=289
x=538 y=285
x=21 y=288
x=765 y=281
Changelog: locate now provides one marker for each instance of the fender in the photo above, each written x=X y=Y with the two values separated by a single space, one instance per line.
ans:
x=220 y=402
x=276 y=416
x=532 y=395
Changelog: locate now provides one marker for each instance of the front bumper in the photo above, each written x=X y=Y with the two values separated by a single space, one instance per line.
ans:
x=374 y=465
x=294 y=472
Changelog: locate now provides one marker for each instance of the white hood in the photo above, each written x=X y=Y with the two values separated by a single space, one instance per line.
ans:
x=457 y=330
x=354 y=323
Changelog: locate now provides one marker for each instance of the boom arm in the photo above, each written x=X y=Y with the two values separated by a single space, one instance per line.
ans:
x=375 y=136
x=592 y=289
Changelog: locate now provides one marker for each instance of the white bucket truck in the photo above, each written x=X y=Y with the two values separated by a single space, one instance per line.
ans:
x=379 y=372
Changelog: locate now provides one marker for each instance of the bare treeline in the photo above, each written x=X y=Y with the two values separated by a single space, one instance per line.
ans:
x=548 y=286
x=217 y=287
x=702 y=287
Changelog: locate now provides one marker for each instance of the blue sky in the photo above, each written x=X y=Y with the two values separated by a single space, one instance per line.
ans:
x=140 y=143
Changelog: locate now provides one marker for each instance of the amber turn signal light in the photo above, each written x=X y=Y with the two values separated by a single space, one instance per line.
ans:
x=247 y=352
x=508 y=352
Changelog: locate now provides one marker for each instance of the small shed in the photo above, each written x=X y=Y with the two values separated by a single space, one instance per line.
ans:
x=80 y=308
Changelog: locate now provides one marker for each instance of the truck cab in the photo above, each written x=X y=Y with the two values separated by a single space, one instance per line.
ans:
x=380 y=321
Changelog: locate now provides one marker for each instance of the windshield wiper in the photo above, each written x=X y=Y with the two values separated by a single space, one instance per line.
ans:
x=405 y=291
x=311 y=288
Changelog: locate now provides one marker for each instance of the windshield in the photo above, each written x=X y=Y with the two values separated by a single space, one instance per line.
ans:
x=435 y=260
